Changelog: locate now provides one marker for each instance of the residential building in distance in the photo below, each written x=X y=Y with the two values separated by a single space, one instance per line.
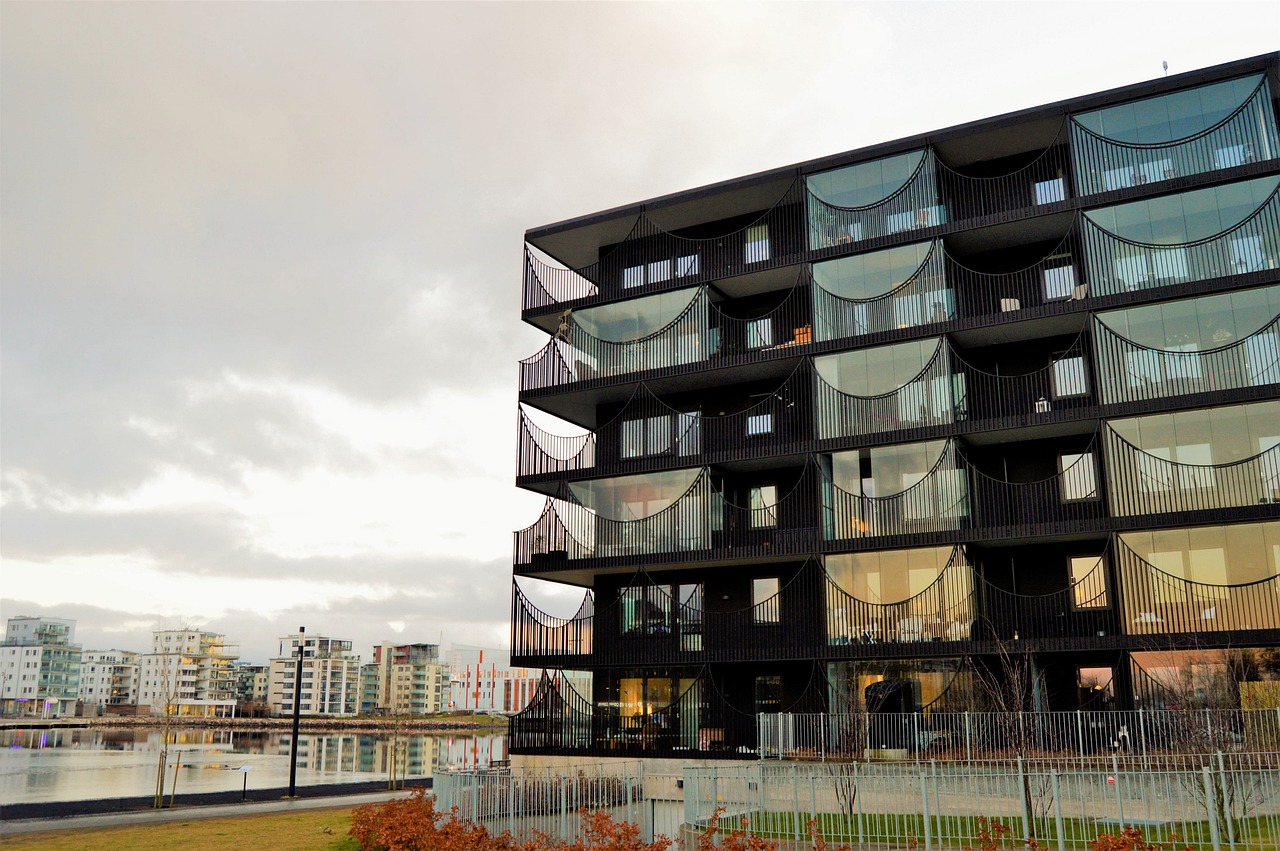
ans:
x=482 y=679
x=914 y=427
x=189 y=672
x=39 y=667
x=251 y=689
x=109 y=681
x=330 y=677
x=408 y=679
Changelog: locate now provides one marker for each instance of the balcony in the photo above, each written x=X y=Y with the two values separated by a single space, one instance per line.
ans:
x=703 y=331
x=873 y=202
x=648 y=433
x=1156 y=602
x=697 y=720
x=700 y=523
x=1181 y=247
x=654 y=256
x=1029 y=182
x=1217 y=127
x=1142 y=482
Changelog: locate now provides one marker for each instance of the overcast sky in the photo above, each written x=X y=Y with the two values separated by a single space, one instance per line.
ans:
x=260 y=277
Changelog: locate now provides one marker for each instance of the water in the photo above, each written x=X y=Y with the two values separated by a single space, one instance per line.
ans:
x=82 y=764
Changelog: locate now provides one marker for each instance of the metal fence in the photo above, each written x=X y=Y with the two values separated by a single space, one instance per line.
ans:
x=995 y=735
x=1202 y=802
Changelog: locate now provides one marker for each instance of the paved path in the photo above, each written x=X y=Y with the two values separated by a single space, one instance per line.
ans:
x=137 y=817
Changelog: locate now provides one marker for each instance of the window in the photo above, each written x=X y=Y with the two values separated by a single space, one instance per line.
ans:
x=764 y=600
x=758 y=424
x=757 y=246
x=1059 y=282
x=1096 y=687
x=1088 y=582
x=760 y=333
x=768 y=694
x=1068 y=377
x=764 y=507
x=648 y=436
x=1078 y=479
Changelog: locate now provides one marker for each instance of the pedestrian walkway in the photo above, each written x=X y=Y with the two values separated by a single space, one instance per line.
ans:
x=139 y=817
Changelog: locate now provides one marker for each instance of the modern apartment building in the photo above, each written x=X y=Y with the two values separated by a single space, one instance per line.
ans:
x=482 y=679
x=330 y=676
x=39 y=667
x=189 y=672
x=992 y=407
x=108 y=678
x=405 y=679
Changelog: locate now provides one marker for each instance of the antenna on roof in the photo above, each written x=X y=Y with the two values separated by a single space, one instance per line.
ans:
x=1165 y=64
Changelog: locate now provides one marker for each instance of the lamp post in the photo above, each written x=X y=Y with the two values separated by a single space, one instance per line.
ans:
x=297 y=709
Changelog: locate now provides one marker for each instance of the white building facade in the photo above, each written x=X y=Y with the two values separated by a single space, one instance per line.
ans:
x=39 y=667
x=330 y=677
x=481 y=679
x=108 y=678
x=189 y=672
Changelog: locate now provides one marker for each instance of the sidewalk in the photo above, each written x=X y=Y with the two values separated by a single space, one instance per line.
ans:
x=137 y=817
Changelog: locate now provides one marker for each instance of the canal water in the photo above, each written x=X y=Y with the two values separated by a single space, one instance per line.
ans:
x=39 y=766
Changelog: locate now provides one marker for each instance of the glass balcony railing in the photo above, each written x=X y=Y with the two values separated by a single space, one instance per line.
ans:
x=1189 y=132
x=929 y=397
x=894 y=195
x=703 y=330
x=944 y=611
x=1156 y=601
x=931 y=501
x=1177 y=249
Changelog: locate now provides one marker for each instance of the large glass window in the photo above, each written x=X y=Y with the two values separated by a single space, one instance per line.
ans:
x=634 y=497
x=894 y=489
x=1088 y=582
x=865 y=276
x=1216 y=555
x=634 y=319
x=1196 y=324
x=1186 y=216
x=865 y=183
x=889 y=576
x=883 y=369
x=1168 y=118
x=764 y=600
x=862 y=282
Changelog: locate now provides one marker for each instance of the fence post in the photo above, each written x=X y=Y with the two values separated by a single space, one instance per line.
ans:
x=1227 y=809
x=857 y=796
x=1115 y=772
x=1080 y=732
x=511 y=804
x=564 y=805
x=1022 y=795
x=813 y=798
x=968 y=737
x=1211 y=809
x=795 y=800
x=937 y=801
x=1142 y=731
x=924 y=809
x=1060 y=829
x=475 y=798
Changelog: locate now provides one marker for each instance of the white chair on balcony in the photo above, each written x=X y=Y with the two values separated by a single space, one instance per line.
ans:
x=911 y=629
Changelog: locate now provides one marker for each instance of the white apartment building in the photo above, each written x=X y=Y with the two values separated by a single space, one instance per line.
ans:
x=330 y=677
x=108 y=678
x=409 y=680
x=39 y=667
x=191 y=671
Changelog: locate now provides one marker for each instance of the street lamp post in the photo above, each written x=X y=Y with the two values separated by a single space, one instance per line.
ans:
x=297 y=710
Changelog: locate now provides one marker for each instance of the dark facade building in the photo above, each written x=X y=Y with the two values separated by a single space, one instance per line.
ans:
x=878 y=430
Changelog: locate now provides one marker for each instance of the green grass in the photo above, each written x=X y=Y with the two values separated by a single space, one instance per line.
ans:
x=308 y=830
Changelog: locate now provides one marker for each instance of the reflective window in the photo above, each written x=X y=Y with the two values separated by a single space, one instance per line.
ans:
x=764 y=506
x=889 y=576
x=865 y=276
x=634 y=497
x=865 y=183
x=1088 y=582
x=1068 y=376
x=756 y=249
x=1196 y=324
x=1079 y=481
x=1184 y=217
x=872 y=372
x=764 y=600
x=632 y=320
x=1168 y=118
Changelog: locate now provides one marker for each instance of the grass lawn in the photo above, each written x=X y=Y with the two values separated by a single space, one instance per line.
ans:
x=308 y=830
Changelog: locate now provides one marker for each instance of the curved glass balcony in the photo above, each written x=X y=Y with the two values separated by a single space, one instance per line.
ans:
x=1041 y=180
x=665 y=516
x=1192 y=236
x=932 y=495
x=893 y=195
x=651 y=257
x=887 y=388
x=881 y=291
x=701 y=330
x=857 y=613
x=648 y=433
x=1214 y=127
x=1159 y=601
x=1200 y=345
x=1144 y=482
